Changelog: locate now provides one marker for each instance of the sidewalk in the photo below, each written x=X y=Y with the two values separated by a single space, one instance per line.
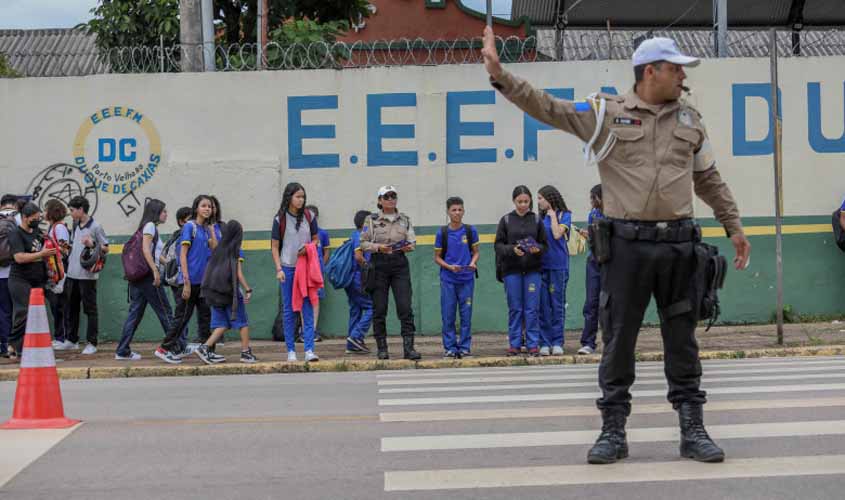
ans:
x=488 y=350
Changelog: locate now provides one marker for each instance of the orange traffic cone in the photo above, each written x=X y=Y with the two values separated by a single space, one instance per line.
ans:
x=38 y=399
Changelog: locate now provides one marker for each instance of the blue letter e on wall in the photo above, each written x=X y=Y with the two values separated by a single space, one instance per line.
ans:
x=297 y=132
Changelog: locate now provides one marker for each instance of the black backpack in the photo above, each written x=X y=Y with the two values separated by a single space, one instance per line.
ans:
x=444 y=241
x=838 y=233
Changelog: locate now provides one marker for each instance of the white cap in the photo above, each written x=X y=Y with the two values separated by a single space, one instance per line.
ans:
x=661 y=49
x=386 y=189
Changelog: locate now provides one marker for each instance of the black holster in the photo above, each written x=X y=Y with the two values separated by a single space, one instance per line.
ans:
x=600 y=232
x=710 y=271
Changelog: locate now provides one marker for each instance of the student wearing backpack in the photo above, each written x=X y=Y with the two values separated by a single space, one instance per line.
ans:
x=8 y=211
x=59 y=236
x=81 y=283
x=27 y=271
x=360 y=303
x=456 y=252
x=148 y=289
x=220 y=289
x=196 y=243
x=169 y=268
x=557 y=221
x=520 y=243
x=593 y=280
x=293 y=229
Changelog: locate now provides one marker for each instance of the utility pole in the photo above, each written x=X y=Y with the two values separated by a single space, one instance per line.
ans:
x=208 y=34
x=778 y=164
x=190 y=35
x=721 y=27
x=261 y=31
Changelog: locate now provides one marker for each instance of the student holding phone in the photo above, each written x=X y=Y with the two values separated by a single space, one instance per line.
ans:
x=520 y=243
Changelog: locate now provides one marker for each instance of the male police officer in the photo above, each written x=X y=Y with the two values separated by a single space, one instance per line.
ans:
x=650 y=148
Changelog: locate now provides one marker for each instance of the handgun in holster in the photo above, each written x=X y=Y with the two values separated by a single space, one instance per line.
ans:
x=600 y=232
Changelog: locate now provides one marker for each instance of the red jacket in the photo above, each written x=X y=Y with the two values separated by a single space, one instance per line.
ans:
x=307 y=278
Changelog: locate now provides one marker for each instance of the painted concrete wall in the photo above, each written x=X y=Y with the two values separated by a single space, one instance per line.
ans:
x=432 y=132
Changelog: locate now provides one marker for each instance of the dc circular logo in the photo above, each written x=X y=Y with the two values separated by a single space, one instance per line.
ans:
x=118 y=149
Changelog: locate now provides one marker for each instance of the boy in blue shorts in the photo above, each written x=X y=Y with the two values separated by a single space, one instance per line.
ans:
x=456 y=252
x=360 y=304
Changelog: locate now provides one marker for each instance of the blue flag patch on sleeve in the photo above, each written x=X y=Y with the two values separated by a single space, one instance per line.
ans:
x=582 y=107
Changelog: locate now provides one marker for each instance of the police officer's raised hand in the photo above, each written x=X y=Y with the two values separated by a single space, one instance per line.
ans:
x=743 y=250
x=491 y=56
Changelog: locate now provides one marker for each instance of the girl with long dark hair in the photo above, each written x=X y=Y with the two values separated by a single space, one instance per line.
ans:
x=557 y=221
x=520 y=243
x=221 y=291
x=293 y=229
x=195 y=244
x=147 y=290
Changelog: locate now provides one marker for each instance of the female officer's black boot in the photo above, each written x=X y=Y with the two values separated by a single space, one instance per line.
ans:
x=408 y=344
x=381 y=344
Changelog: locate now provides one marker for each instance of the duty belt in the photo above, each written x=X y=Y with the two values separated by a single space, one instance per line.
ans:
x=671 y=232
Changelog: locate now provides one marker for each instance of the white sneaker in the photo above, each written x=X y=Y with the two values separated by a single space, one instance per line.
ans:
x=90 y=349
x=586 y=350
x=190 y=348
x=544 y=351
x=557 y=351
x=310 y=356
x=132 y=357
x=291 y=356
x=66 y=345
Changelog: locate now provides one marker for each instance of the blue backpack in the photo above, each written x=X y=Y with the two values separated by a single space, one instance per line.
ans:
x=341 y=267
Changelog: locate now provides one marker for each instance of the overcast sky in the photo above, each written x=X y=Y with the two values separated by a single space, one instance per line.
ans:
x=31 y=14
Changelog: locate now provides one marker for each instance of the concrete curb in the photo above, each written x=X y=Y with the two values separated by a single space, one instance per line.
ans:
x=345 y=365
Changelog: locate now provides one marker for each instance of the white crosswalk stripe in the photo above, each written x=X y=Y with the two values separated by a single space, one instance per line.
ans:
x=802 y=399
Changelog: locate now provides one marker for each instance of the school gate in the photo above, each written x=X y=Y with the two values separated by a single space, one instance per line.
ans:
x=432 y=132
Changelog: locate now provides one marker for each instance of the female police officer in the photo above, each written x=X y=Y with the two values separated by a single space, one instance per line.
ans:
x=388 y=236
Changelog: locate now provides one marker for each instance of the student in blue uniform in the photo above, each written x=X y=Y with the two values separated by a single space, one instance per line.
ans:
x=557 y=220
x=519 y=263
x=360 y=304
x=456 y=252
x=323 y=251
x=593 y=281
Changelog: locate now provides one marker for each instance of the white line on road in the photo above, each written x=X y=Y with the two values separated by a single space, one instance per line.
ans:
x=512 y=398
x=563 y=475
x=585 y=411
x=560 y=375
x=564 y=385
x=635 y=435
x=740 y=363
x=20 y=448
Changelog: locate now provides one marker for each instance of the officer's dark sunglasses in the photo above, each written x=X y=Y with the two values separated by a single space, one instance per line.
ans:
x=389 y=196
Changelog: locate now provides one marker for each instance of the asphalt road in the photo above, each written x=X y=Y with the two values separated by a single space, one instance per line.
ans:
x=494 y=433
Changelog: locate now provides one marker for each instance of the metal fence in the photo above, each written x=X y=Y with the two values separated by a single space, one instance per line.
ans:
x=569 y=45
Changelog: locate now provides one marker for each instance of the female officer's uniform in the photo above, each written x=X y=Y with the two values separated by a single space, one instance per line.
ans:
x=391 y=271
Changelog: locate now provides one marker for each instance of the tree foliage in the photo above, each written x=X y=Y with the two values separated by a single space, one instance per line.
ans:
x=6 y=70
x=131 y=23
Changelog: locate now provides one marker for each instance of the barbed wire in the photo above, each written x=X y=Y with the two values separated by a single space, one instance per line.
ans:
x=571 y=45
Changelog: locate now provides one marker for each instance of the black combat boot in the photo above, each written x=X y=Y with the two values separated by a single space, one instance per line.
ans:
x=381 y=344
x=408 y=345
x=695 y=443
x=611 y=444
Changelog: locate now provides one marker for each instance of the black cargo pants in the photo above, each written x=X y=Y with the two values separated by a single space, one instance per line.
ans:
x=640 y=267
x=392 y=272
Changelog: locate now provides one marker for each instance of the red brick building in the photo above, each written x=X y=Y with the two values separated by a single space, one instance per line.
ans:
x=425 y=32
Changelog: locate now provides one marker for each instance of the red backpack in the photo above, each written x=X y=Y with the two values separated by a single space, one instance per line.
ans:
x=55 y=266
x=135 y=267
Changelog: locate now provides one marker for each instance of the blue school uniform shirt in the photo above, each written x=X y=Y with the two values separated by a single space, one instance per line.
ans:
x=595 y=214
x=356 y=245
x=557 y=255
x=325 y=242
x=198 y=252
x=457 y=253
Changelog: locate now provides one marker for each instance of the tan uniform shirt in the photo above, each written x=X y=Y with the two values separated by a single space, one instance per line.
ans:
x=661 y=152
x=384 y=229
